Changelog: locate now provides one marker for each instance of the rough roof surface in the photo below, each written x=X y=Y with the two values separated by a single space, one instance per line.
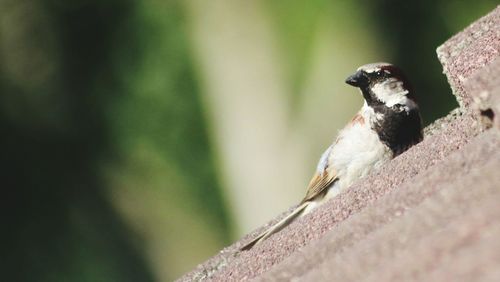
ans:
x=431 y=214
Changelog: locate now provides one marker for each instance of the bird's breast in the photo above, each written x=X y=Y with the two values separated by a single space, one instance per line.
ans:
x=357 y=152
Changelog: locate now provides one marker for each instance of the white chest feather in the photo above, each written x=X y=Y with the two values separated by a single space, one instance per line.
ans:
x=356 y=153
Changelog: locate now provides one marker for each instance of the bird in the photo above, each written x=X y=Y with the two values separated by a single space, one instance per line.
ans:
x=388 y=123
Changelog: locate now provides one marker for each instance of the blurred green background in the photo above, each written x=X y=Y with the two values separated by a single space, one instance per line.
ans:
x=140 y=137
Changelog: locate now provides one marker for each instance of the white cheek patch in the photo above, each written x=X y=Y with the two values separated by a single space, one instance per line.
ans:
x=392 y=92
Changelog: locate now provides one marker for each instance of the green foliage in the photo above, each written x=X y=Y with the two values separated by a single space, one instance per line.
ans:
x=114 y=75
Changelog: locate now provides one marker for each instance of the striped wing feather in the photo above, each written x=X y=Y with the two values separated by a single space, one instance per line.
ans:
x=319 y=183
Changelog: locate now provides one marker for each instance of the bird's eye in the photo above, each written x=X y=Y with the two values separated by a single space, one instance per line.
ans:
x=380 y=73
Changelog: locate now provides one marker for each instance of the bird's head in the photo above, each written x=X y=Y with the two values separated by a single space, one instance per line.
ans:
x=383 y=84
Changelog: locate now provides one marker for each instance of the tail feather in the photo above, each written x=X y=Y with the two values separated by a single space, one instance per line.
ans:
x=277 y=227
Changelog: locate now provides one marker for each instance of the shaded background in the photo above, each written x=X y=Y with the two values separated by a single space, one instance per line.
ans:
x=140 y=137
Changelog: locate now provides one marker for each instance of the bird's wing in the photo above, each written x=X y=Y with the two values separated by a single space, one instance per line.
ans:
x=325 y=174
x=324 y=177
x=318 y=184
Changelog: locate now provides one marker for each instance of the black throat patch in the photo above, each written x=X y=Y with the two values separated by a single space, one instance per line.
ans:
x=398 y=129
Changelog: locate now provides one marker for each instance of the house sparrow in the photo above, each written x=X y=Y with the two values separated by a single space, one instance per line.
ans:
x=388 y=124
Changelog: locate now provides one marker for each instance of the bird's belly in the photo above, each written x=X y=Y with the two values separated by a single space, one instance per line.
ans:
x=357 y=152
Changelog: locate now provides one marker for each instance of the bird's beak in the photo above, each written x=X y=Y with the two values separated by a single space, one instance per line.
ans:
x=358 y=79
